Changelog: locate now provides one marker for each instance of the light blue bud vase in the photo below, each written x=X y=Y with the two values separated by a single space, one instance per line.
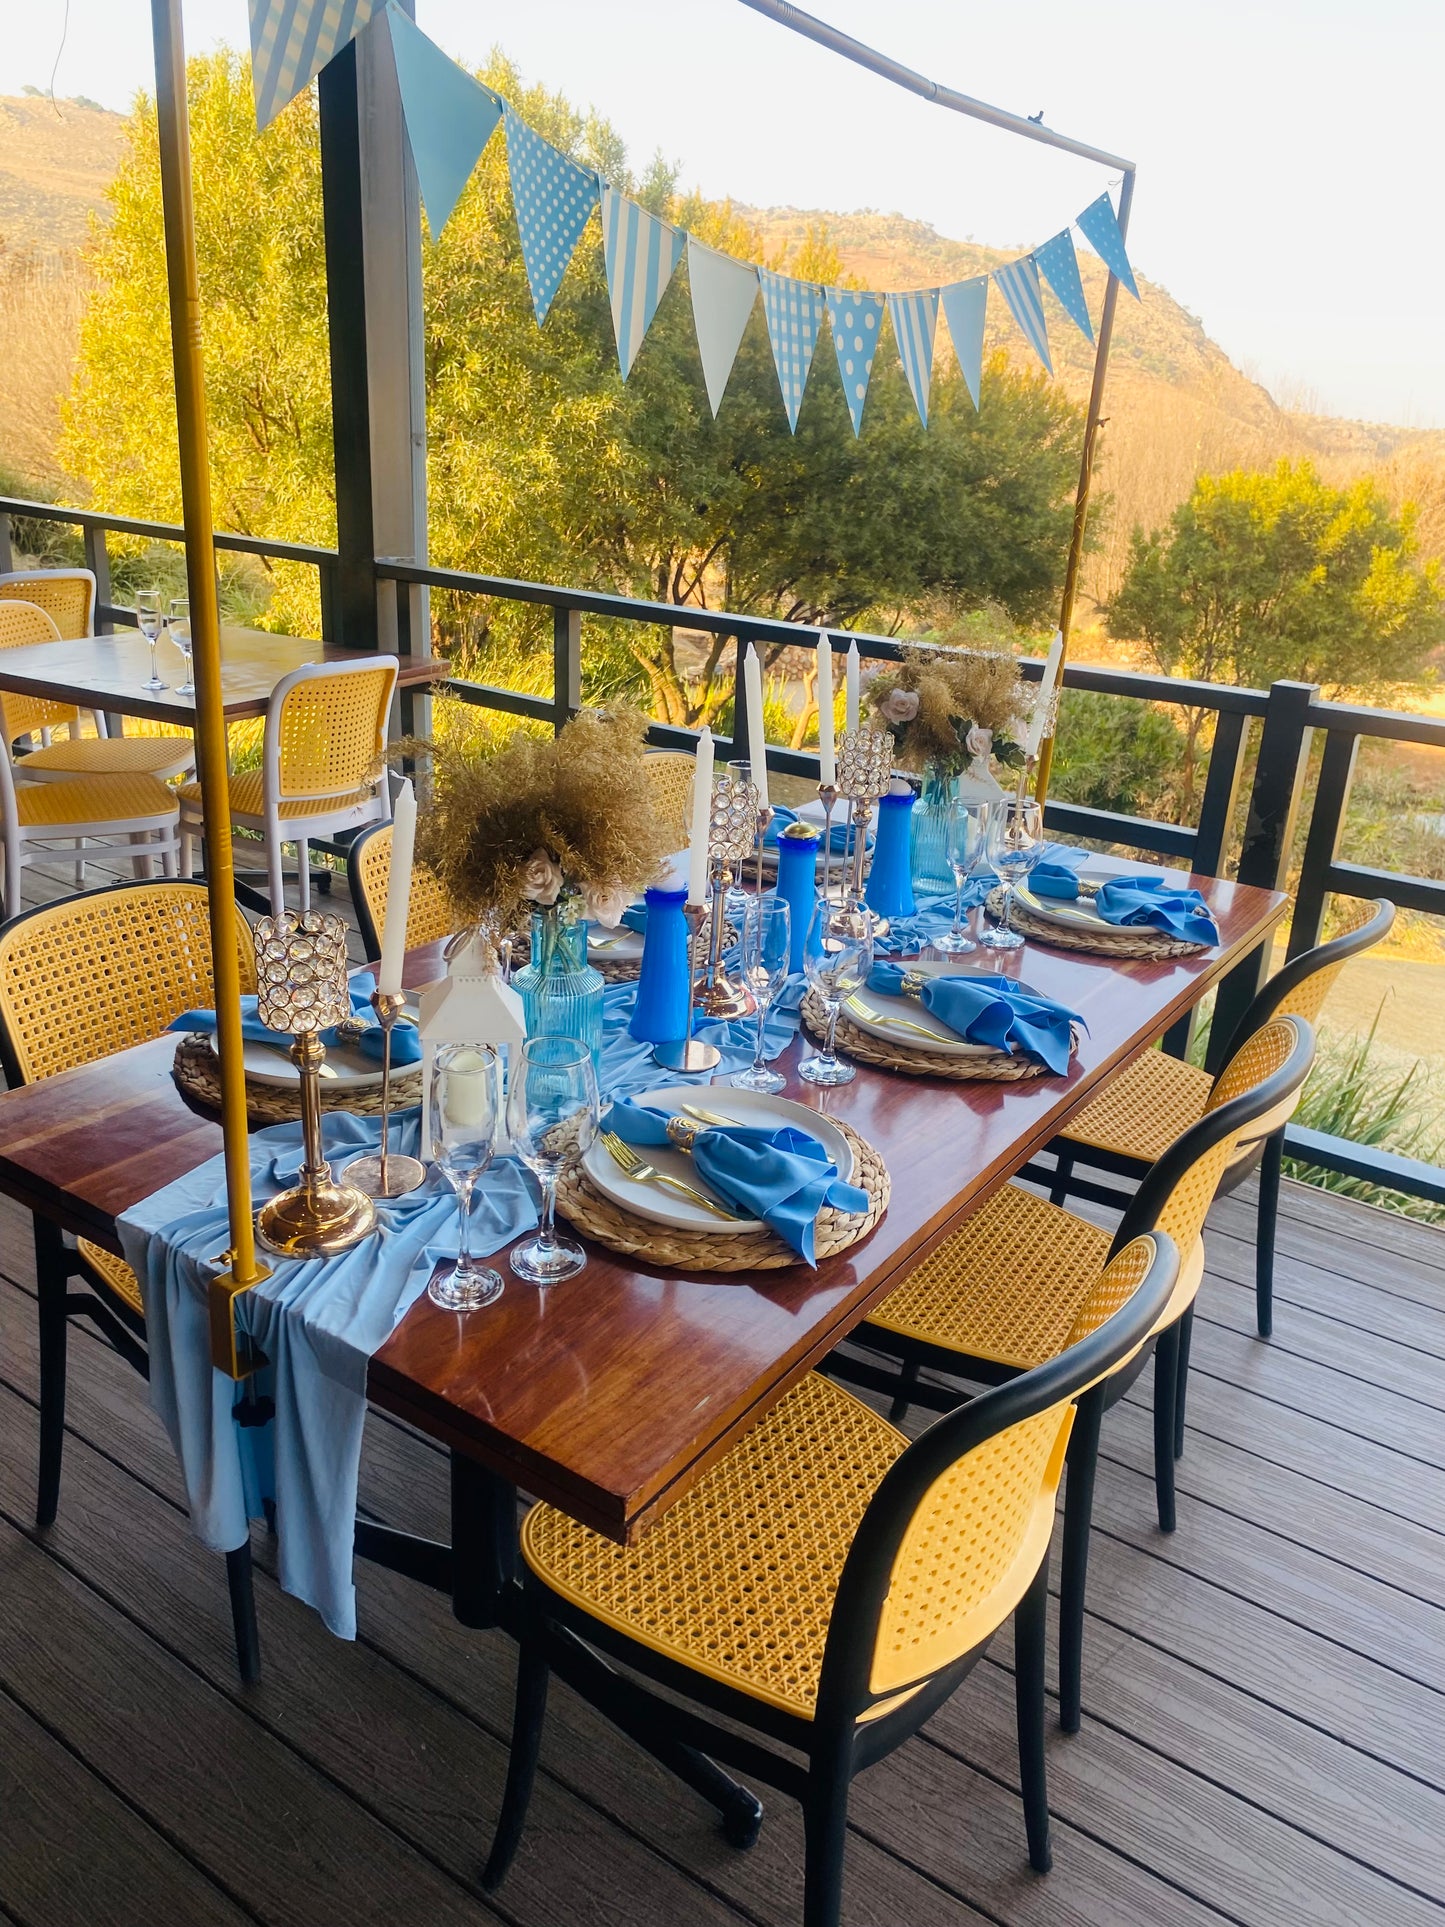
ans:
x=659 y=1014
x=889 y=891
x=561 y=993
x=797 y=885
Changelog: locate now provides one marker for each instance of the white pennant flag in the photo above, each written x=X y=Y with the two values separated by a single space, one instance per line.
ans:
x=723 y=293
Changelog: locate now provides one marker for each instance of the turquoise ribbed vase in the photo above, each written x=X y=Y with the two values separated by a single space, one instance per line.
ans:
x=932 y=872
x=561 y=993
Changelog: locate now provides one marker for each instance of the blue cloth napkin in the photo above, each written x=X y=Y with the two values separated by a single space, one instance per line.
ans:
x=774 y=1172
x=634 y=918
x=782 y=816
x=1131 y=901
x=992 y=1010
x=1053 y=879
x=405 y=1039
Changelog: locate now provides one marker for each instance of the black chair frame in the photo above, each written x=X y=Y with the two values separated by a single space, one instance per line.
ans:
x=365 y=922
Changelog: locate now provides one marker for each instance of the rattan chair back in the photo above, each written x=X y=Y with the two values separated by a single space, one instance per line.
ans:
x=23 y=624
x=429 y=914
x=670 y=774
x=1300 y=988
x=326 y=729
x=66 y=595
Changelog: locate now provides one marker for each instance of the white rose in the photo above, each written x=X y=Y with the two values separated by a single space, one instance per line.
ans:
x=542 y=879
x=899 y=706
x=606 y=906
x=979 y=742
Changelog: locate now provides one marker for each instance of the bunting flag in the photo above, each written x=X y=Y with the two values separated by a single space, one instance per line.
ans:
x=553 y=198
x=965 y=306
x=723 y=293
x=1019 y=283
x=641 y=252
x=1101 y=230
x=915 y=321
x=449 y=117
x=1061 y=266
x=857 y=324
x=292 y=40
x=794 y=312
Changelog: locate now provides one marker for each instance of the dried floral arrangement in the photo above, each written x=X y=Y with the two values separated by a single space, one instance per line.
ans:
x=565 y=820
x=946 y=706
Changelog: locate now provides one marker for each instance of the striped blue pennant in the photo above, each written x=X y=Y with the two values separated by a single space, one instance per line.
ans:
x=857 y=324
x=915 y=321
x=794 y=312
x=1100 y=229
x=641 y=252
x=449 y=116
x=1060 y=266
x=965 y=306
x=1019 y=282
x=292 y=40
x=552 y=198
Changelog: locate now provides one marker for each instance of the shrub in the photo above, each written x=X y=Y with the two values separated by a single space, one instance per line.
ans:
x=1116 y=753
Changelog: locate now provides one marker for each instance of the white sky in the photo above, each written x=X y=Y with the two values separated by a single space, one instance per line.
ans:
x=1288 y=150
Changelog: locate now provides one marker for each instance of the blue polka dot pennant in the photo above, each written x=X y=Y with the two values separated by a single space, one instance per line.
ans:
x=449 y=117
x=1060 y=266
x=641 y=253
x=915 y=321
x=553 y=198
x=1019 y=285
x=965 y=306
x=794 y=312
x=1100 y=229
x=857 y=324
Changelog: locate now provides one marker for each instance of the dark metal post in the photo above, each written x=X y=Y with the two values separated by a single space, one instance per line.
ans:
x=1221 y=792
x=566 y=665
x=97 y=560
x=1322 y=843
x=7 y=556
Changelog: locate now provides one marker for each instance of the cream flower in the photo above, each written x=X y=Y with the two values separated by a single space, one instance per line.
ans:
x=542 y=879
x=606 y=905
x=979 y=742
x=899 y=706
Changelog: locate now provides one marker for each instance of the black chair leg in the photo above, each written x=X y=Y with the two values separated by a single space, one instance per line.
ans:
x=907 y=1379
x=51 y=1274
x=825 y=1834
x=1063 y=1171
x=1029 y=1703
x=527 y=1719
x=1074 y=1573
x=1166 y=1392
x=243 y=1613
x=1269 y=1170
x=1186 y=1333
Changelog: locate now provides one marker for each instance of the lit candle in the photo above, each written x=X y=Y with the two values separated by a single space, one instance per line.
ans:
x=398 y=889
x=701 y=820
x=827 y=767
x=757 y=740
x=470 y=1092
x=1045 y=696
x=850 y=706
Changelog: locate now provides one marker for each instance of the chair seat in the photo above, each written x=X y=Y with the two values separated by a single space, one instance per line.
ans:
x=737 y=1580
x=93 y=799
x=113 y=1272
x=159 y=756
x=247 y=799
x=1140 y=1112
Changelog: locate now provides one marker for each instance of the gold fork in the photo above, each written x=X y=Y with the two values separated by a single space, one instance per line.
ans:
x=634 y=1167
x=894 y=1023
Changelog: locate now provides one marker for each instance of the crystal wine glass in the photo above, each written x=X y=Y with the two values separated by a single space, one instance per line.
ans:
x=965 y=833
x=1015 y=844
x=466 y=1104
x=836 y=958
x=767 y=941
x=178 y=625
x=552 y=1115
x=149 y=618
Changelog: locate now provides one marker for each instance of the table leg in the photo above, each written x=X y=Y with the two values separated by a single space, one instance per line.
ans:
x=484 y=1545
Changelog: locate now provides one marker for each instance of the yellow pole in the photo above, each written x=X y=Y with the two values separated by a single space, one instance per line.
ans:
x=185 y=306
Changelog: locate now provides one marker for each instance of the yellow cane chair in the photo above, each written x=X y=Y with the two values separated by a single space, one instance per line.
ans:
x=1142 y=1110
x=826 y=1586
x=429 y=914
x=670 y=775
x=82 y=979
x=321 y=766
x=1004 y=1293
x=66 y=595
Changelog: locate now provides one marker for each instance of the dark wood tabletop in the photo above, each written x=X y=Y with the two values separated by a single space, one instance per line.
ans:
x=611 y=1393
x=106 y=672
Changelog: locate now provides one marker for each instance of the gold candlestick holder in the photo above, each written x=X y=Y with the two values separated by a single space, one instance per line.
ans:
x=865 y=769
x=301 y=986
x=765 y=817
x=386 y=1175
x=691 y=1054
x=828 y=797
x=732 y=829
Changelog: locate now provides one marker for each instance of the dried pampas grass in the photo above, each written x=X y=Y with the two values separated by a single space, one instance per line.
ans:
x=957 y=690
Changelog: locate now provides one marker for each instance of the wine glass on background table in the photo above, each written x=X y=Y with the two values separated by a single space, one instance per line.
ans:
x=836 y=959
x=1015 y=844
x=178 y=627
x=149 y=620
x=465 y=1112
x=966 y=833
x=552 y=1117
x=767 y=940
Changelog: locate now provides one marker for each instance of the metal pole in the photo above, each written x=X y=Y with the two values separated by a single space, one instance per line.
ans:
x=185 y=308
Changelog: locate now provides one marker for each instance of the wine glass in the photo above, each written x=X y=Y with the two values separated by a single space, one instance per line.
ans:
x=767 y=941
x=965 y=835
x=552 y=1115
x=149 y=619
x=1015 y=844
x=836 y=958
x=466 y=1106
x=178 y=625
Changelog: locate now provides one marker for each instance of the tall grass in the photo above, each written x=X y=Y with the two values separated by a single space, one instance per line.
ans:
x=1352 y=1095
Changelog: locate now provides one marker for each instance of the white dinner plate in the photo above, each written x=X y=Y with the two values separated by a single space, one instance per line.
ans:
x=350 y=1064
x=665 y=1206
x=909 y=1011
x=613 y=946
x=1069 y=913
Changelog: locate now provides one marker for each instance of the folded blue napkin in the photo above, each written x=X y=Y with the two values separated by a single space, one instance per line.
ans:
x=782 y=816
x=991 y=1010
x=1053 y=879
x=405 y=1039
x=634 y=918
x=1130 y=901
x=774 y=1172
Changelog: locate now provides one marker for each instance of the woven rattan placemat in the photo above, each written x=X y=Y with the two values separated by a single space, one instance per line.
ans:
x=1132 y=941
x=197 y=1074
x=999 y=1067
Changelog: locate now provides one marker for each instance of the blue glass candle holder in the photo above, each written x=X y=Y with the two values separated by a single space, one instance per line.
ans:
x=797 y=884
x=890 y=888
x=664 y=981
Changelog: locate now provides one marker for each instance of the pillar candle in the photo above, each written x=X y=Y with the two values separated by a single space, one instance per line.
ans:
x=757 y=741
x=398 y=889
x=701 y=820
x=827 y=766
x=1045 y=696
x=850 y=709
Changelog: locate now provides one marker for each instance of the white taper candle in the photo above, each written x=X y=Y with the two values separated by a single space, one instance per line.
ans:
x=1045 y=695
x=701 y=820
x=398 y=889
x=827 y=764
x=757 y=739
x=850 y=701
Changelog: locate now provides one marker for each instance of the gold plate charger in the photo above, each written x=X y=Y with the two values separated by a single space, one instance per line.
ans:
x=1078 y=932
x=980 y=1066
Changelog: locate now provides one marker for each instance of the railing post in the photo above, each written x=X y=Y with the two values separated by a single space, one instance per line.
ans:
x=1322 y=842
x=97 y=560
x=1221 y=791
x=566 y=665
x=7 y=554
x=1269 y=833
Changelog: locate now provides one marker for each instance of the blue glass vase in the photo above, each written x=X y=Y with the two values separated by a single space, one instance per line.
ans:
x=932 y=871
x=561 y=993
x=659 y=1015
x=890 y=892
x=797 y=885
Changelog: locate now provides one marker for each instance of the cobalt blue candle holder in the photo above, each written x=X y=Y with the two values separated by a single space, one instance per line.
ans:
x=890 y=887
x=664 y=980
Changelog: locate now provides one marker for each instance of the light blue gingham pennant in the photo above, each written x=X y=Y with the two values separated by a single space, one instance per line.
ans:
x=915 y=321
x=1019 y=282
x=794 y=312
x=641 y=252
x=449 y=116
x=292 y=40
x=965 y=305
x=1060 y=266
x=1100 y=229
x=552 y=197
x=857 y=324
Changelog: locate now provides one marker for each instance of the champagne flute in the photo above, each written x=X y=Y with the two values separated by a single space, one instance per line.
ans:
x=836 y=958
x=767 y=940
x=965 y=833
x=466 y=1104
x=179 y=628
x=552 y=1116
x=1015 y=844
x=148 y=617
